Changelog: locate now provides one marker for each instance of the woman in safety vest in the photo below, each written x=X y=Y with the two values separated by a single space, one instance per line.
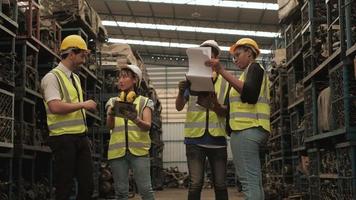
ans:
x=249 y=114
x=130 y=140
x=204 y=133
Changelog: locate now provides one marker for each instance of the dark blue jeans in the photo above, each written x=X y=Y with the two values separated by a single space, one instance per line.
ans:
x=217 y=157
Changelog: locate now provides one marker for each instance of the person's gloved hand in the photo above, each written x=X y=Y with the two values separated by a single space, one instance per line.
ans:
x=214 y=64
x=207 y=101
x=182 y=86
x=129 y=113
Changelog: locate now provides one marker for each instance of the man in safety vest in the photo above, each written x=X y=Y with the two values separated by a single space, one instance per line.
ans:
x=65 y=108
x=205 y=132
x=130 y=140
x=249 y=114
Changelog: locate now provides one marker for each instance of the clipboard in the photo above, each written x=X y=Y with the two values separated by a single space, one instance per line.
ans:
x=120 y=107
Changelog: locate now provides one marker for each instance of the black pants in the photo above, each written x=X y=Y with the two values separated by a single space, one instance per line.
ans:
x=72 y=159
x=196 y=157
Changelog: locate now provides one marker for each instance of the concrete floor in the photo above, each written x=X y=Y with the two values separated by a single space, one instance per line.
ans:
x=181 y=194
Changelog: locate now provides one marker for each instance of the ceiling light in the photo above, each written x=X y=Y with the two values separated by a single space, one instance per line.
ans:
x=195 y=14
x=218 y=3
x=192 y=29
x=168 y=44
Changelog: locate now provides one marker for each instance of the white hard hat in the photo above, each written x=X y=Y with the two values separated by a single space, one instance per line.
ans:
x=211 y=43
x=135 y=70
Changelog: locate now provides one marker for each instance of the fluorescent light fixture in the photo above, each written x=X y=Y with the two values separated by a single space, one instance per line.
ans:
x=218 y=3
x=191 y=29
x=168 y=44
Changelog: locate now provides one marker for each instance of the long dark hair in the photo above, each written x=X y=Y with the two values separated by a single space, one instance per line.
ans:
x=128 y=71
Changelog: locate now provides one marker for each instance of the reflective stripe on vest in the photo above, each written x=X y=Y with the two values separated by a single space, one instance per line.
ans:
x=196 y=115
x=68 y=123
x=131 y=144
x=71 y=123
x=260 y=99
x=139 y=141
x=244 y=115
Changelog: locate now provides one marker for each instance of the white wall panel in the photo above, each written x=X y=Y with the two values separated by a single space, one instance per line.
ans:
x=174 y=152
x=174 y=148
x=172 y=131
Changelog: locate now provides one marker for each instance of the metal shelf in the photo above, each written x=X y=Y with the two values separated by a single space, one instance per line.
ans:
x=45 y=149
x=93 y=115
x=6 y=145
x=328 y=176
x=275 y=137
x=351 y=50
x=20 y=90
x=281 y=176
x=299 y=53
x=42 y=49
x=8 y=22
x=326 y=135
x=7 y=31
x=301 y=148
x=276 y=153
x=322 y=66
x=299 y=101
x=275 y=113
x=276 y=120
x=89 y=72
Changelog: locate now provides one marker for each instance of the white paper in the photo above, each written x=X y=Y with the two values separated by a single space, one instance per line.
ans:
x=199 y=75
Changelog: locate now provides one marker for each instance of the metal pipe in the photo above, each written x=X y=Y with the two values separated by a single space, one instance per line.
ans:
x=349 y=39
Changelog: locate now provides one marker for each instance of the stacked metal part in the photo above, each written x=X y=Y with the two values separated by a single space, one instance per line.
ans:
x=277 y=171
x=31 y=33
x=321 y=102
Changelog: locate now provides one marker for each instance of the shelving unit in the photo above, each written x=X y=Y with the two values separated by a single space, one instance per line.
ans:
x=321 y=103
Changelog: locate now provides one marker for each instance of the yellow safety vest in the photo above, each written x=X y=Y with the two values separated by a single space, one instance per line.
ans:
x=195 y=123
x=126 y=134
x=71 y=123
x=244 y=115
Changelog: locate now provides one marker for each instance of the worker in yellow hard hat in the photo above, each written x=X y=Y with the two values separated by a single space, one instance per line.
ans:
x=66 y=120
x=249 y=116
x=130 y=139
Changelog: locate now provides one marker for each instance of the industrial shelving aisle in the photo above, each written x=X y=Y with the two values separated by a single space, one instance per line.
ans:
x=322 y=90
x=8 y=29
x=33 y=160
x=279 y=157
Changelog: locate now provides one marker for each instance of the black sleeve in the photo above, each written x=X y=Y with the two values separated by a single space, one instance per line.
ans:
x=252 y=84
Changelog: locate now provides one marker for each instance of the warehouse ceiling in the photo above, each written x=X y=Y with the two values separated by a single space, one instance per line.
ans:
x=158 y=27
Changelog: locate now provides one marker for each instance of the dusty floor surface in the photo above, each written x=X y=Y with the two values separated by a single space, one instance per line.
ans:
x=181 y=194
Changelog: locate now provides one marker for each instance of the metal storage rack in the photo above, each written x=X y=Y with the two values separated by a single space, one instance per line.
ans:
x=8 y=28
x=327 y=61
x=279 y=158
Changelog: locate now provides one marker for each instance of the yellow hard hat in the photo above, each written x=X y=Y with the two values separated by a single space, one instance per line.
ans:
x=246 y=42
x=73 y=41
